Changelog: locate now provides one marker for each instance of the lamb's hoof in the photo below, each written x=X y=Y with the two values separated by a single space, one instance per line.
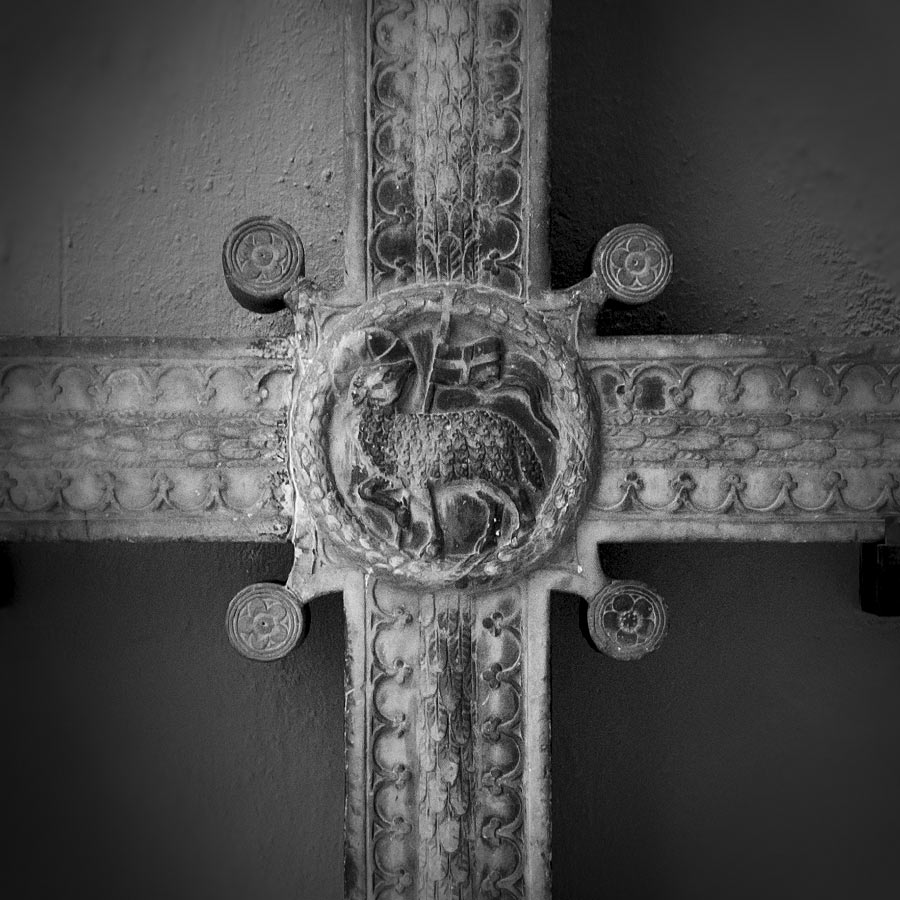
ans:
x=434 y=549
x=402 y=516
x=517 y=538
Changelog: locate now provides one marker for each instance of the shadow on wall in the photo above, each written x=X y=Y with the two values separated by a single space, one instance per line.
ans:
x=761 y=138
x=752 y=755
x=7 y=582
x=142 y=756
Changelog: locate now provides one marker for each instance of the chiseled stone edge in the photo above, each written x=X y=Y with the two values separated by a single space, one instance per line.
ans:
x=655 y=484
x=402 y=647
x=132 y=438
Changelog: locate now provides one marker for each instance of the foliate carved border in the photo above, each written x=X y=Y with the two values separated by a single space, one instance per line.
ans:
x=446 y=744
x=447 y=749
x=747 y=432
x=142 y=439
x=393 y=651
x=447 y=128
x=501 y=795
x=785 y=497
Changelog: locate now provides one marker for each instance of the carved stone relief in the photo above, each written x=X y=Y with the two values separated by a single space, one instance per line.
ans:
x=459 y=444
x=443 y=447
x=264 y=622
x=446 y=728
x=444 y=435
x=728 y=432
x=445 y=441
x=266 y=256
x=138 y=439
x=627 y=620
x=447 y=140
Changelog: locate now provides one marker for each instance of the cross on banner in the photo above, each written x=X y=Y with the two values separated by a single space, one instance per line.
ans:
x=481 y=499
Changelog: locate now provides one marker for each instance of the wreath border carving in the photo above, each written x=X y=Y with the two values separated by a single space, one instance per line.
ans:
x=577 y=451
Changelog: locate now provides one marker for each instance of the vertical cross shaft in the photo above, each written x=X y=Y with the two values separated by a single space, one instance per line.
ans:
x=447 y=143
x=447 y=725
x=447 y=718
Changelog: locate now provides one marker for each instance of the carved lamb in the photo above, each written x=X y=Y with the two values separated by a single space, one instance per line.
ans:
x=413 y=454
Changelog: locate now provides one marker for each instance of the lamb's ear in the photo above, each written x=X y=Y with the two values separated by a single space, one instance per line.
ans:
x=385 y=348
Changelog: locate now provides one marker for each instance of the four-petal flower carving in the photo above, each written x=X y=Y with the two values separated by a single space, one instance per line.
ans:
x=636 y=263
x=263 y=624
x=263 y=255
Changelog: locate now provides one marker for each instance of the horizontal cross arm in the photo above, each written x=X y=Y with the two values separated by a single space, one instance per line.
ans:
x=738 y=438
x=702 y=438
x=135 y=439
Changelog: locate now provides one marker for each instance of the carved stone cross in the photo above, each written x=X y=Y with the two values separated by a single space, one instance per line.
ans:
x=445 y=441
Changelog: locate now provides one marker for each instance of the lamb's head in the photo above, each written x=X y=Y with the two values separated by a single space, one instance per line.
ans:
x=378 y=386
x=371 y=367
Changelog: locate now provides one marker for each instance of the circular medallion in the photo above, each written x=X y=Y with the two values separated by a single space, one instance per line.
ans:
x=634 y=263
x=443 y=436
x=265 y=621
x=262 y=257
x=627 y=620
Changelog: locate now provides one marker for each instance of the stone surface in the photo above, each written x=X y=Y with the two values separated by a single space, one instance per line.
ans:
x=265 y=621
x=627 y=620
x=836 y=69
x=128 y=439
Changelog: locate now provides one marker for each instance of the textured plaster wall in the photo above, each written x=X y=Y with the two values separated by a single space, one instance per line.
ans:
x=762 y=137
x=137 y=134
x=753 y=755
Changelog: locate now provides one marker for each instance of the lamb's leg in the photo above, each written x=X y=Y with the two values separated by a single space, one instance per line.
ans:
x=434 y=549
x=507 y=510
x=493 y=523
x=375 y=490
x=525 y=506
